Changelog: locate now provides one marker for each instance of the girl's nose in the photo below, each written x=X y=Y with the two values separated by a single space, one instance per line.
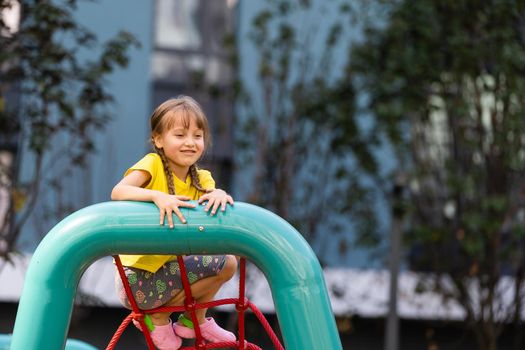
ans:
x=189 y=141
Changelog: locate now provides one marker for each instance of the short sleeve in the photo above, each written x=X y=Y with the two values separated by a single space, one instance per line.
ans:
x=151 y=164
x=206 y=180
x=146 y=164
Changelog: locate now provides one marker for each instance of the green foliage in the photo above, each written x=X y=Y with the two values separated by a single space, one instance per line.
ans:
x=445 y=85
x=55 y=95
x=298 y=131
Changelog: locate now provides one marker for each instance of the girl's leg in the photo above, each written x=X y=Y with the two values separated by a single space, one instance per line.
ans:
x=141 y=283
x=145 y=286
x=204 y=290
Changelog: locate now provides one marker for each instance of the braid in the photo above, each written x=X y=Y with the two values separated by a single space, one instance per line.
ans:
x=167 y=170
x=195 y=178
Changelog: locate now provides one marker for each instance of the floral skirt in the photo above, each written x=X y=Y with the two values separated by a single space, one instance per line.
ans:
x=152 y=290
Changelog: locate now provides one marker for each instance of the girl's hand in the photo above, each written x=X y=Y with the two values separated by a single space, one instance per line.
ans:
x=215 y=199
x=169 y=204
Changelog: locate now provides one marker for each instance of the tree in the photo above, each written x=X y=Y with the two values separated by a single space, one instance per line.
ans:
x=61 y=97
x=445 y=87
x=309 y=158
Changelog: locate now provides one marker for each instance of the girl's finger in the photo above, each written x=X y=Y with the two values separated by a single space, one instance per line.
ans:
x=215 y=207
x=208 y=205
x=162 y=214
x=179 y=214
x=183 y=198
x=223 y=205
x=170 y=218
x=186 y=205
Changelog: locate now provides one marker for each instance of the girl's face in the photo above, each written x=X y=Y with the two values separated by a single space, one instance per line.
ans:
x=183 y=144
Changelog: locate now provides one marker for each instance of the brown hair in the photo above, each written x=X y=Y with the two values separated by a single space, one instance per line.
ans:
x=164 y=117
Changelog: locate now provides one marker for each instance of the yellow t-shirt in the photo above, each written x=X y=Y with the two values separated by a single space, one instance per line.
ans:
x=153 y=165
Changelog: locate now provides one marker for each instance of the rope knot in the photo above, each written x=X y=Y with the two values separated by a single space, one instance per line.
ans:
x=138 y=315
x=190 y=304
x=200 y=345
x=241 y=305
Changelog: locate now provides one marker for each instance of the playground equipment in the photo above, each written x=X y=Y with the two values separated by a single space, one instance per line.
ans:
x=290 y=266
x=71 y=344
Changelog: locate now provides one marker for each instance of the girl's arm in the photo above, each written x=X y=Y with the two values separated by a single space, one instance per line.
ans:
x=216 y=198
x=130 y=188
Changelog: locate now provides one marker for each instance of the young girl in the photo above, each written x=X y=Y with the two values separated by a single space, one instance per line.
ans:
x=169 y=178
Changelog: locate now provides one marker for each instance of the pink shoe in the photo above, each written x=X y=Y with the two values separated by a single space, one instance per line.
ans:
x=163 y=337
x=209 y=330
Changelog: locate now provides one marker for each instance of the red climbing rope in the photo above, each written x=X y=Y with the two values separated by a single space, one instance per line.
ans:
x=136 y=314
x=190 y=305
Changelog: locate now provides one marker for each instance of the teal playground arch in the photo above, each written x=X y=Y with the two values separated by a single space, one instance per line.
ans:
x=289 y=264
x=71 y=344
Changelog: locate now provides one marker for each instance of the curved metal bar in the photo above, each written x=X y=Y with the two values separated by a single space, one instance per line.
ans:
x=292 y=269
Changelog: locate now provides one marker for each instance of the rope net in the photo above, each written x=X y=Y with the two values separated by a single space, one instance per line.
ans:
x=190 y=305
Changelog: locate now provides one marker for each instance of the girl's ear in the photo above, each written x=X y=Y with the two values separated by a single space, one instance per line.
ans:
x=157 y=141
